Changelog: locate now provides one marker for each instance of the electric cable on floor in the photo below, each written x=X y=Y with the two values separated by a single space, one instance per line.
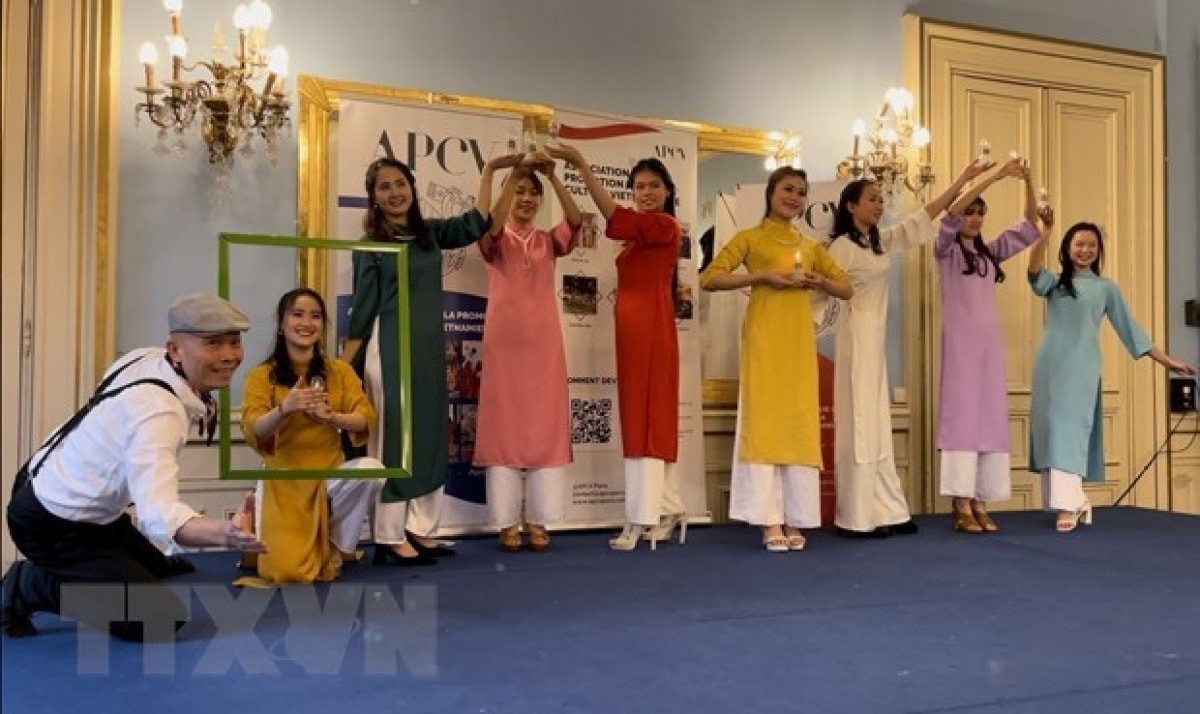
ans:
x=1154 y=456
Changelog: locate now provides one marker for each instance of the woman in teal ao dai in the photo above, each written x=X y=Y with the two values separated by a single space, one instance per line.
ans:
x=1066 y=438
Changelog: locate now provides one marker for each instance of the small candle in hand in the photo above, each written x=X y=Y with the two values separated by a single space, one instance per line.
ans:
x=985 y=150
x=797 y=265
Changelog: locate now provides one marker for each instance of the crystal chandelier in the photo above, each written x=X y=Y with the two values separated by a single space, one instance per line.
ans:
x=892 y=136
x=786 y=151
x=231 y=111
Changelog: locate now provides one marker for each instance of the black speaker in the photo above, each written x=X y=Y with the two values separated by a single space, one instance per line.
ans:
x=1183 y=395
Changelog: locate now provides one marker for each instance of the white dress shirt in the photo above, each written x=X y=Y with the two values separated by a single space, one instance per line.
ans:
x=125 y=451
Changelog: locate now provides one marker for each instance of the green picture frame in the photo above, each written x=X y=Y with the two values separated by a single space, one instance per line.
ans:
x=226 y=241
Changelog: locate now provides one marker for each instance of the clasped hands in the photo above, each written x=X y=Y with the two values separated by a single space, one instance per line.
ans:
x=533 y=161
x=313 y=401
x=805 y=280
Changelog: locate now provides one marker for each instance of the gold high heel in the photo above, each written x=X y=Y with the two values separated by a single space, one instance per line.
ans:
x=983 y=518
x=539 y=539
x=964 y=522
x=510 y=539
x=1068 y=520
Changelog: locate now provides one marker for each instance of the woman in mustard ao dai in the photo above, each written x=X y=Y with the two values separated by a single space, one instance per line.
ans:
x=295 y=405
x=524 y=408
x=776 y=469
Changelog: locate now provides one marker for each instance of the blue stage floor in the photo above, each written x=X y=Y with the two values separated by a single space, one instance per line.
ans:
x=1106 y=619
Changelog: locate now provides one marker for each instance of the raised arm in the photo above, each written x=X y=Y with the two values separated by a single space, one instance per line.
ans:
x=483 y=199
x=604 y=201
x=1037 y=254
x=1031 y=204
x=570 y=209
x=934 y=208
x=503 y=204
x=1013 y=167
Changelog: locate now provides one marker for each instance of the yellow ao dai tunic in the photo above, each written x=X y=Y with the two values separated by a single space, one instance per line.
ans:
x=779 y=405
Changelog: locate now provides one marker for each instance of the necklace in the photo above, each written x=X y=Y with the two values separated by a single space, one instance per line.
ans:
x=523 y=241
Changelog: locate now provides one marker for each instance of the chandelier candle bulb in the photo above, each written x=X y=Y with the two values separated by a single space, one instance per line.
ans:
x=175 y=7
x=148 y=56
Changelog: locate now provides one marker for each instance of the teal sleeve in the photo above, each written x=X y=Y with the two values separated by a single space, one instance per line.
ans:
x=1043 y=282
x=365 y=306
x=459 y=231
x=1132 y=336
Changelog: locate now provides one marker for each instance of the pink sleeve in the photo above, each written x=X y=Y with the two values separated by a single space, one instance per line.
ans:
x=642 y=228
x=951 y=224
x=489 y=247
x=1014 y=240
x=564 y=238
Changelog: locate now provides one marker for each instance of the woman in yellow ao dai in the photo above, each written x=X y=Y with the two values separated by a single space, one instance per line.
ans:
x=778 y=455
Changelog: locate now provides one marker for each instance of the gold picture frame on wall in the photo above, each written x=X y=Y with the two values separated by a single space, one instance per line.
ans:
x=319 y=101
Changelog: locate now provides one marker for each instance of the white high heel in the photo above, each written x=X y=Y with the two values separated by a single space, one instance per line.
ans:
x=1083 y=515
x=662 y=530
x=629 y=537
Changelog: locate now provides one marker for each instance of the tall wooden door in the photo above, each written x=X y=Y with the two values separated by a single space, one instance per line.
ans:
x=1089 y=122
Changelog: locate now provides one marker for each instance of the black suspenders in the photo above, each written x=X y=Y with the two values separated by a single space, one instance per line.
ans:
x=25 y=474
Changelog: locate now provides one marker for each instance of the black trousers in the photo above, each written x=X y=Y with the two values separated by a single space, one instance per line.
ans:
x=60 y=551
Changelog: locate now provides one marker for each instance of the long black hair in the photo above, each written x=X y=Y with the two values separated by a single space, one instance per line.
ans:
x=375 y=223
x=1066 y=279
x=283 y=372
x=843 y=222
x=658 y=168
x=778 y=175
x=972 y=258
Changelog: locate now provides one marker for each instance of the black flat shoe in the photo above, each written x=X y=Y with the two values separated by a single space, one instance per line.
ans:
x=433 y=551
x=863 y=535
x=908 y=527
x=386 y=556
x=14 y=620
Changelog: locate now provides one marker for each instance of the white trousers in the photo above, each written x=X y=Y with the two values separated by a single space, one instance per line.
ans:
x=419 y=515
x=775 y=494
x=983 y=476
x=869 y=495
x=350 y=501
x=541 y=490
x=651 y=491
x=1062 y=491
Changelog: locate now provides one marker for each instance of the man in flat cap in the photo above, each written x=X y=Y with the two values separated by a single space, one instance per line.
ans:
x=68 y=510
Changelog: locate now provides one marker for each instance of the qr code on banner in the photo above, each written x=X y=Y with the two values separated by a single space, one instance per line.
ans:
x=591 y=421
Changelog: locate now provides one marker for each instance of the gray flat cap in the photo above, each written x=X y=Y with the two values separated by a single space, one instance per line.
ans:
x=205 y=314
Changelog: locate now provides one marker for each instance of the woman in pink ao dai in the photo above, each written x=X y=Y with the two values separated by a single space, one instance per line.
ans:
x=524 y=420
